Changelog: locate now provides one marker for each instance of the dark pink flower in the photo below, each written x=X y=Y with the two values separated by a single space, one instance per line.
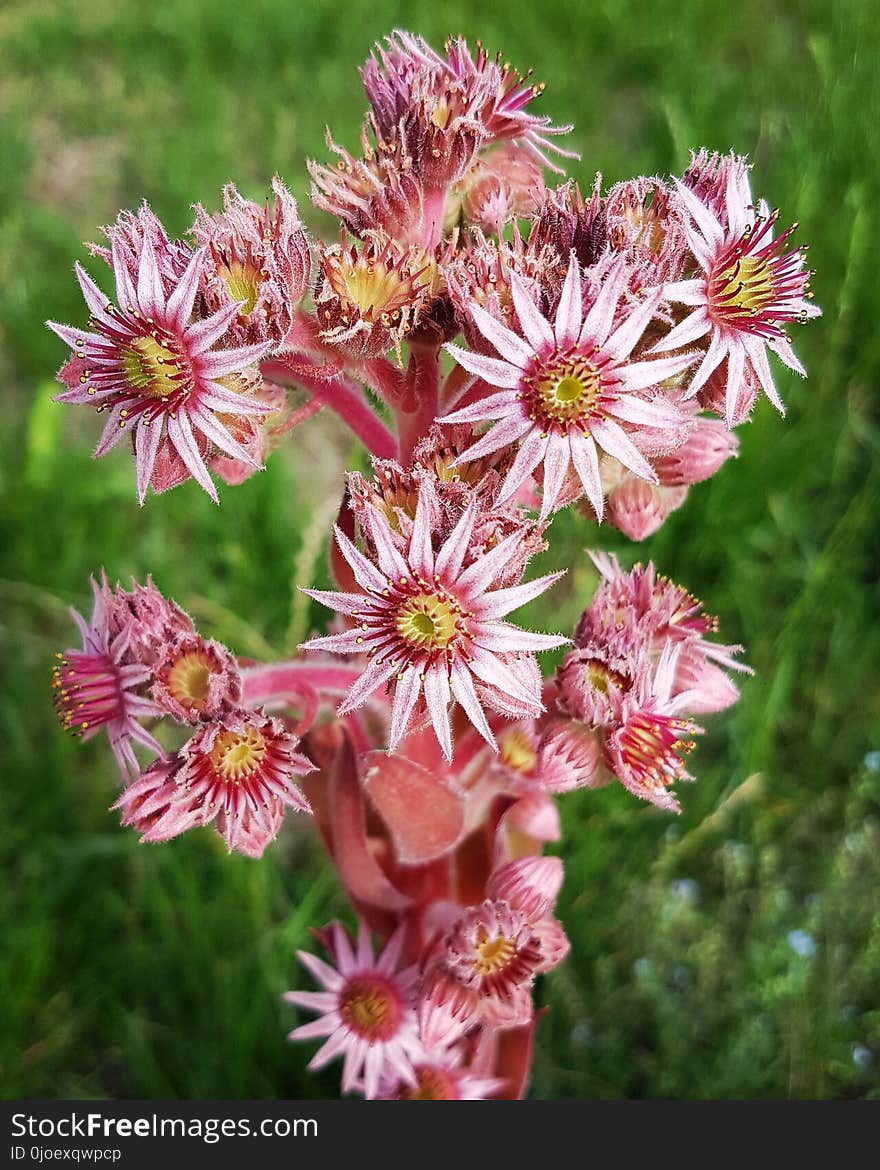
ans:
x=102 y=685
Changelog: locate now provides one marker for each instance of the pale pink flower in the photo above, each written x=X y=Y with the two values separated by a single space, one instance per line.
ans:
x=433 y=628
x=155 y=371
x=567 y=386
x=366 y=1011
x=98 y=686
x=750 y=288
x=239 y=772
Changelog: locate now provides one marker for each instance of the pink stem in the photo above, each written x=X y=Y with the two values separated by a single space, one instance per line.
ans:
x=424 y=375
x=433 y=204
x=288 y=680
x=385 y=379
x=341 y=395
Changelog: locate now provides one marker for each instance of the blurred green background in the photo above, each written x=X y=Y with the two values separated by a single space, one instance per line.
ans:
x=733 y=952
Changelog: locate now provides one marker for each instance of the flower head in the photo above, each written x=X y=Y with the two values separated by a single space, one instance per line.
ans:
x=492 y=950
x=257 y=258
x=101 y=684
x=646 y=751
x=365 y=1011
x=431 y=625
x=196 y=681
x=154 y=371
x=239 y=772
x=567 y=386
x=750 y=288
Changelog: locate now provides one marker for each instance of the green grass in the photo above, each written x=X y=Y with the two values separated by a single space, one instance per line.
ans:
x=153 y=972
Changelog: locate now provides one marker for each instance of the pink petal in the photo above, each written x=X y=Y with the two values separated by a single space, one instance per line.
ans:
x=201 y=335
x=702 y=216
x=351 y=604
x=374 y=676
x=503 y=434
x=390 y=561
x=491 y=407
x=148 y=436
x=463 y=689
x=150 y=293
x=600 y=318
x=638 y=375
x=622 y=341
x=569 y=313
x=421 y=554
x=537 y=329
x=690 y=329
x=735 y=370
x=208 y=425
x=717 y=351
x=504 y=601
x=406 y=694
x=181 y=301
x=502 y=638
x=95 y=300
x=437 y=699
x=586 y=464
x=477 y=578
x=491 y=370
x=527 y=459
x=348 y=642
x=686 y=292
x=365 y=572
x=758 y=357
x=217 y=363
x=782 y=348
x=613 y=440
x=452 y=553
x=556 y=463
x=508 y=344
x=183 y=440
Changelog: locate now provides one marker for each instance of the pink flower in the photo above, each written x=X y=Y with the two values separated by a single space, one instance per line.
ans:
x=645 y=751
x=240 y=773
x=491 y=950
x=196 y=681
x=98 y=685
x=432 y=627
x=566 y=387
x=155 y=370
x=259 y=259
x=365 y=1011
x=751 y=287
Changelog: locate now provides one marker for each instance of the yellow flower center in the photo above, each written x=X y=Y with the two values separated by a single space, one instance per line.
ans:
x=564 y=392
x=236 y=757
x=243 y=283
x=189 y=678
x=746 y=286
x=516 y=751
x=370 y=1008
x=492 y=955
x=151 y=368
x=428 y=621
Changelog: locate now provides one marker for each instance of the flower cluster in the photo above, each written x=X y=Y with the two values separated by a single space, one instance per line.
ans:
x=503 y=348
x=142 y=658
